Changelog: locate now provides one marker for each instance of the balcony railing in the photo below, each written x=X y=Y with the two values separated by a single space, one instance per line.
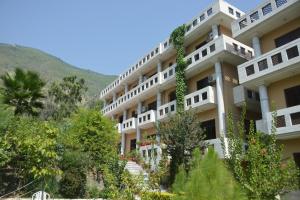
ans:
x=273 y=61
x=166 y=110
x=146 y=119
x=168 y=74
x=129 y=125
x=287 y=122
x=204 y=98
x=109 y=107
x=151 y=154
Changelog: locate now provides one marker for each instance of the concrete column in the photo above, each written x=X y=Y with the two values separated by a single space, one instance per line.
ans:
x=159 y=66
x=124 y=115
x=256 y=46
x=220 y=102
x=158 y=104
x=104 y=102
x=140 y=79
x=138 y=130
x=264 y=101
x=123 y=144
x=114 y=97
x=215 y=31
x=126 y=87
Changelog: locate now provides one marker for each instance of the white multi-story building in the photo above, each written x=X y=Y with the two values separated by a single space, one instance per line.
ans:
x=234 y=59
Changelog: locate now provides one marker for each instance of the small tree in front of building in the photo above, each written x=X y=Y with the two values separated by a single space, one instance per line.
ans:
x=181 y=135
x=256 y=161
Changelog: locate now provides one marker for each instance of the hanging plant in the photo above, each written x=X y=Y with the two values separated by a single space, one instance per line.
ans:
x=177 y=38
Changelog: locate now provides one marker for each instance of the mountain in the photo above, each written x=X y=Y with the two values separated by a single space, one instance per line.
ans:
x=49 y=67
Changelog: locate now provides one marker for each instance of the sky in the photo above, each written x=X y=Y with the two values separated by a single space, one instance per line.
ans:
x=106 y=36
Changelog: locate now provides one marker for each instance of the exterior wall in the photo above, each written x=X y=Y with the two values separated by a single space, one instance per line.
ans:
x=276 y=91
x=165 y=64
x=209 y=115
x=129 y=111
x=226 y=31
x=149 y=100
x=290 y=146
x=192 y=82
x=147 y=132
x=192 y=47
x=128 y=138
x=267 y=41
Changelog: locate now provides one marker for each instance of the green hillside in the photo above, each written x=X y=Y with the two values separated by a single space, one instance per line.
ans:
x=49 y=67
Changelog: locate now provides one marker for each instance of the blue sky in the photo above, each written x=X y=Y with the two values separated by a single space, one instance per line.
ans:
x=106 y=36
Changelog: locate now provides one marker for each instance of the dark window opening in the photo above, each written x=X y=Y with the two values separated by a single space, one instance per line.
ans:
x=121 y=119
x=297 y=158
x=200 y=45
x=132 y=144
x=152 y=106
x=202 y=83
x=172 y=96
x=133 y=114
x=209 y=129
x=292 y=96
x=287 y=38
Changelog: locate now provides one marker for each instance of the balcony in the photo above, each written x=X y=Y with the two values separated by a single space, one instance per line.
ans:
x=119 y=127
x=275 y=65
x=168 y=74
x=223 y=48
x=129 y=125
x=203 y=99
x=109 y=108
x=271 y=14
x=151 y=154
x=166 y=110
x=244 y=96
x=287 y=123
x=147 y=119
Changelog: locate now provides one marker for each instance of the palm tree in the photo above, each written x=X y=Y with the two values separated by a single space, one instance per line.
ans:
x=23 y=91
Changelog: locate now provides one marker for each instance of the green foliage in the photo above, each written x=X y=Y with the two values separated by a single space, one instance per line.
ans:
x=64 y=98
x=181 y=135
x=259 y=169
x=50 y=68
x=23 y=91
x=177 y=38
x=157 y=196
x=208 y=179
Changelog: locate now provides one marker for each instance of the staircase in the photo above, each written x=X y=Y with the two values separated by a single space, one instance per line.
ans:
x=134 y=168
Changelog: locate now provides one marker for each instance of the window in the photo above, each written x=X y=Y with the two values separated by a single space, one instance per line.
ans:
x=172 y=96
x=188 y=102
x=204 y=52
x=295 y=118
x=209 y=129
x=243 y=23
x=230 y=10
x=250 y=70
x=292 y=52
x=280 y=121
x=292 y=96
x=196 y=57
x=287 y=38
x=166 y=110
x=209 y=11
x=172 y=108
x=243 y=51
x=204 y=96
x=254 y=16
x=238 y=15
x=202 y=83
x=132 y=144
x=212 y=48
x=297 y=159
x=262 y=65
x=280 y=2
x=267 y=9
x=133 y=114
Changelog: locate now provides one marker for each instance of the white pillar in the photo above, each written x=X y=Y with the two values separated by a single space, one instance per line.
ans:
x=158 y=104
x=104 y=102
x=159 y=66
x=124 y=115
x=123 y=144
x=138 y=130
x=215 y=31
x=140 y=79
x=264 y=101
x=256 y=46
x=221 y=107
x=126 y=87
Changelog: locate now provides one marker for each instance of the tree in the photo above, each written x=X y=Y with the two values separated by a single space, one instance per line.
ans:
x=23 y=91
x=64 y=97
x=208 y=179
x=182 y=134
x=258 y=167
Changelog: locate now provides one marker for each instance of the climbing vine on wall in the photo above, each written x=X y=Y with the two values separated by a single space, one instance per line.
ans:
x=177 y=38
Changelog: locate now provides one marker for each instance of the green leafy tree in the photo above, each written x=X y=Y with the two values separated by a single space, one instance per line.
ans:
x=208 y=179
x=64 y=97
x=259 y=167
x=23 y=91
x=182 y=134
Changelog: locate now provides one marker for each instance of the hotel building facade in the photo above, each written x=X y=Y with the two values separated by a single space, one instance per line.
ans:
x=235 y=58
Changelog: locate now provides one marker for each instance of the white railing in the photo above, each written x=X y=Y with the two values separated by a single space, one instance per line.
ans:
x=168 y=74
x=272 y=61
x=264 y=11
x=200 y=98
x=287 y=122
x=129 y=125
x=146 y=118
x=109 y=107
x=166 y=110
x=151 y=154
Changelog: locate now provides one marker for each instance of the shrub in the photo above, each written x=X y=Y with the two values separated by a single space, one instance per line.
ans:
x=157 y=196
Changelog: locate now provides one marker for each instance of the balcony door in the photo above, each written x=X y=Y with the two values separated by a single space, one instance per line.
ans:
x=202 y=83
x=152 y=106
x=132 y=144
x=209 y=128
x=292 y=96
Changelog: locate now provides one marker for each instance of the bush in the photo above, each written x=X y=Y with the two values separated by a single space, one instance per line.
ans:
x=157 y=196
